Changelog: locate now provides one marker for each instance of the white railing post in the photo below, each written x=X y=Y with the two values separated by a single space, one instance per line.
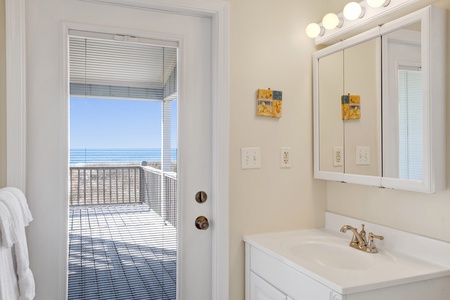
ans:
x=166 y=160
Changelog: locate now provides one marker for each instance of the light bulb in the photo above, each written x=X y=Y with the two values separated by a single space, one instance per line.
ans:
x=353 y=11
x=331 y=21
x=314 y=30
x=378 y=3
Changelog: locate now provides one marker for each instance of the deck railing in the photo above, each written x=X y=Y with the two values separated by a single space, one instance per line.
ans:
x=160 y=195
x=91 y=185
x=96 y=185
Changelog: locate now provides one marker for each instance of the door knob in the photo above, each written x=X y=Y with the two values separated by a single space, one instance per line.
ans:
x=202 y=223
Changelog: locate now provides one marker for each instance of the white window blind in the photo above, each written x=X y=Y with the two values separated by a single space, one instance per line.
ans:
x=124 y=67
x=410 y=123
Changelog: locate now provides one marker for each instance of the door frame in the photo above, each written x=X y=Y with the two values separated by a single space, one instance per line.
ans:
x=218 y=11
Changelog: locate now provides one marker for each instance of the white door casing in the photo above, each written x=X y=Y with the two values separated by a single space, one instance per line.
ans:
x=46 y=125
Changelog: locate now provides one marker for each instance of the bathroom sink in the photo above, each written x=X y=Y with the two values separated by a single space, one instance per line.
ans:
x=323 y=250
x=331 y=255
x=327 y=257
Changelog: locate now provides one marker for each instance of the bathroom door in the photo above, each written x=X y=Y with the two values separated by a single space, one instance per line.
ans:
x=47 y=23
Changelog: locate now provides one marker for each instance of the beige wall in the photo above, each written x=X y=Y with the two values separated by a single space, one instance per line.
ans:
x=2 y=96
x=269 y=49
x=423 y=214
x=271 y=199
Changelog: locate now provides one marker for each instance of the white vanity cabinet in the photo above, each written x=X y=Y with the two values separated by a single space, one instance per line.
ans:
x=318 y=264
x=268 y=278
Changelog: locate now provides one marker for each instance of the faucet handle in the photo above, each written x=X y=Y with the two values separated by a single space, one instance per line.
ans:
x=371 y=244
x=362 y=233
x=373 y=236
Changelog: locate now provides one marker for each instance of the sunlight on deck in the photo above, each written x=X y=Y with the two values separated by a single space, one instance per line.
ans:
x=121 y=252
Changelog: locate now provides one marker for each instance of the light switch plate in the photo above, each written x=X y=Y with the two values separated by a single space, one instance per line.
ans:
x=362 y=155
x=251 y=158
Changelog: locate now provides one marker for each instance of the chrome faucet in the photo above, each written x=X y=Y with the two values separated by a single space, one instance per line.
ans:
x=360 y=241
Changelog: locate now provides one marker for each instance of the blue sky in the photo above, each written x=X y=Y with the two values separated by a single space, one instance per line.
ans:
x=104 y=123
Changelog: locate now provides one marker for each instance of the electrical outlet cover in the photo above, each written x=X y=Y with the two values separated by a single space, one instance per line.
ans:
x=338 y=157
x=285 y=157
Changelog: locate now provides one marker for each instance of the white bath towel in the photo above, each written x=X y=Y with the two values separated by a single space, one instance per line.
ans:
x=8 y=279
x=20 y=249
x=27 y=217
x=9 y=289
x=8 y=234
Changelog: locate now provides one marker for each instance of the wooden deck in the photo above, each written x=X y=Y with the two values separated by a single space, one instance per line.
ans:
x=124 y=252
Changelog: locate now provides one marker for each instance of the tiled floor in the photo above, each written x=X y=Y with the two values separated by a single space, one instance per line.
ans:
x=121 y=252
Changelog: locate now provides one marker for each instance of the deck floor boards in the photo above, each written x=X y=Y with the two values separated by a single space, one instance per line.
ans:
x=120 y=252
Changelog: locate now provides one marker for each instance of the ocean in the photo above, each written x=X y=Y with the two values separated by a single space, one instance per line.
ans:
x=135 y=155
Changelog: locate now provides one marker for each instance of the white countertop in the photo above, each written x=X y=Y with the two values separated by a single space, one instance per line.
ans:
x=324 y=255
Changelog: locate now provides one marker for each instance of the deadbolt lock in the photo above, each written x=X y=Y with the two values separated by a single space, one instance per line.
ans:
x=201 y=197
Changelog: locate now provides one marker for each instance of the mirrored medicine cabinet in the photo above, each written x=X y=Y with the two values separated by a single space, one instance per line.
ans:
x=379 y=105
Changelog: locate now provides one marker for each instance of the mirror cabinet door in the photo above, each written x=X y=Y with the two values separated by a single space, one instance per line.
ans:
x=403 y=104
x=331 y=131
x=351 y=144
x=392 y=132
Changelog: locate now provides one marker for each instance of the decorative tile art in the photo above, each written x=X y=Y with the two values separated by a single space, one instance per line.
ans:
x=351 y=107
x=269 y=103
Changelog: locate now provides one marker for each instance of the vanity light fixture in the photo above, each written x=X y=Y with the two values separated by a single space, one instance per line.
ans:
x=359 y=16
x=353 y=11
x=331 y=21
x=314 y=30
x=378 y=3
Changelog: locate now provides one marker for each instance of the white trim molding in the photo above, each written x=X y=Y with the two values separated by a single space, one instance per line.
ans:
x=15 y=94
x=202 y=8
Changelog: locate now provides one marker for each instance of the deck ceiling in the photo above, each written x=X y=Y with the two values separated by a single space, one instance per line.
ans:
x=121 y=65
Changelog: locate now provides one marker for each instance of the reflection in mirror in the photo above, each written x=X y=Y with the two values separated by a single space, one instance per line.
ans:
x=362 y=68
x=331 y=132
x=403 y=104
x=353 y=145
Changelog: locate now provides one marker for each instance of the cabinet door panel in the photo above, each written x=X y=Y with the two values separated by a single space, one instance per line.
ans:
x=286 y=278
x=262 y=290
